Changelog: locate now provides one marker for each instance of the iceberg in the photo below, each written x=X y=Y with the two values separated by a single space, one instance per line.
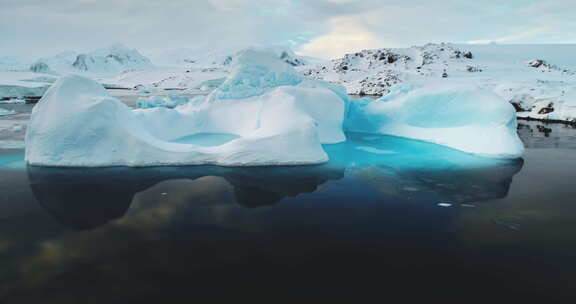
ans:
x=461 y=117
x=264 y=113
x=78 y=124
x=4 y=112
x=254 y=73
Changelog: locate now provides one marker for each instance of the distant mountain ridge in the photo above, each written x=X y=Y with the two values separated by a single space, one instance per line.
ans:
x=209 y=58
x=110 y=60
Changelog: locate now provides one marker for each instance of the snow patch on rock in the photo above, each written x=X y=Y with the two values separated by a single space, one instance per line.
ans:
x=373 y=72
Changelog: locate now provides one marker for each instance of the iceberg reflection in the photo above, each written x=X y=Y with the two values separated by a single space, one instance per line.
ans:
x=396 y=168
x=411 y=169
x=87 y=198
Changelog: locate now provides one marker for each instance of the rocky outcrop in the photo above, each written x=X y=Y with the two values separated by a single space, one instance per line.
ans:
x=545 y=66
x=81 y=62
x=372 y=72
x=40 y=67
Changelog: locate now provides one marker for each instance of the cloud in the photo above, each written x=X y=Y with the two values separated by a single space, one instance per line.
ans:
x=346 y=35
x=322 y=27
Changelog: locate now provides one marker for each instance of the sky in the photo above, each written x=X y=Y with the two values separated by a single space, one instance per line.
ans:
x=320 y=28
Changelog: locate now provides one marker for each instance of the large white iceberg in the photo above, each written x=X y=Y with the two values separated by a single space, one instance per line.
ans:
x=276 y=119
x=465 y=118
x=264 y=113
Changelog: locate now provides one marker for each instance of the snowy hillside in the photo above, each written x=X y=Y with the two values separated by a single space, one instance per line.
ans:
x=540 y=80
x=188 y=79
x=192 y=69
x=372 y=72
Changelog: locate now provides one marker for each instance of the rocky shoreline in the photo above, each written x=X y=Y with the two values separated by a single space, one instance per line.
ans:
x=552 y=121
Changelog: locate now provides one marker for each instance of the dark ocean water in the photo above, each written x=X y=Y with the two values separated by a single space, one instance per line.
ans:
x=386 y=220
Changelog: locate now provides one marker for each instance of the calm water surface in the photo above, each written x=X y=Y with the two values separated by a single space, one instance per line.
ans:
x=386 y=219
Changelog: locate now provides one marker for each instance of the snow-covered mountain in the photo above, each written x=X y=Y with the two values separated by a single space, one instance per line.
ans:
x=210 y=58
x=193 y=69
x=372 y=72
x=110 y=60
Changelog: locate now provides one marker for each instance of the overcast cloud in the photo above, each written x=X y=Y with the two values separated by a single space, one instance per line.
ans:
x=324 y=28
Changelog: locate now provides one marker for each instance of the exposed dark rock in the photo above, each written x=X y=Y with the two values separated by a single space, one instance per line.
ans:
x=537 y=63
x=565 y=122
x=517 y=107
x=228 y=60
x=39 y=67
x=115 y=57
x=81 y=62
x=548 y=109
x=473 y=69
x=544 y=66
x=543 y=129
x=290 y=60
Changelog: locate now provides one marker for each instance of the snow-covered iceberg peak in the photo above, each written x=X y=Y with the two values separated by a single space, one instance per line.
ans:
x=465 y=118
x=254 y=71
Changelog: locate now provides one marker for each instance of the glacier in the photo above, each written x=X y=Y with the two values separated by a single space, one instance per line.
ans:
x=264 y=113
